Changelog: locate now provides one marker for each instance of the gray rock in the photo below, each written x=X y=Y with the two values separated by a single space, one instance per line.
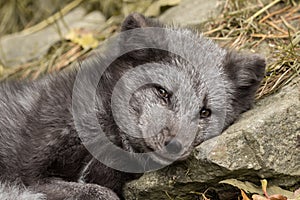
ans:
x=192 y=12
x=264 y=143
x=23 y=46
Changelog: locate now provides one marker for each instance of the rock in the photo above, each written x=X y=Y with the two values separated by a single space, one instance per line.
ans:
x=23 y=46
x=263 y=143
x=192 y=12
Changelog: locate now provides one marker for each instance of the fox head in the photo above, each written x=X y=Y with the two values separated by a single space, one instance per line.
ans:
x=171 y=88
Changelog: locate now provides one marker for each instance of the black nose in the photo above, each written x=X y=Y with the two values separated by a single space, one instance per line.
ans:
x=173 y=146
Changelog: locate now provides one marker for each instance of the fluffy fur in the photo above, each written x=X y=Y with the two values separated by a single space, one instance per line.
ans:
x=39 y=143
x=16 y=192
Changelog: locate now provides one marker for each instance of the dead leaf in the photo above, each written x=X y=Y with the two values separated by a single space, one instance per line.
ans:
x=264 y=184
x=246 y=186
x=249 y=187
x=277 y=197
x=245 y=197
x=85 y=39
x=273 y=190
x=297 y=194
x=258 y=197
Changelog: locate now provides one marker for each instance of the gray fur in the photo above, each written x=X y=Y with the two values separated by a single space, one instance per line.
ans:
x=16 y=192
x=39 y=143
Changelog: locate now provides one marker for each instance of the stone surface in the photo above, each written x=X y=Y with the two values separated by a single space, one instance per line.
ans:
x=192 y=12
x=23 y=46
x=264 y=143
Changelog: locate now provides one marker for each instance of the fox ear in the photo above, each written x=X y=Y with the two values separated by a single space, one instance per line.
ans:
x=141 y=40
x=136 y=20
x=245 y=71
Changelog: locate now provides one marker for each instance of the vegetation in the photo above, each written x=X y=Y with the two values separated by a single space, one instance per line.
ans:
x=269 y=27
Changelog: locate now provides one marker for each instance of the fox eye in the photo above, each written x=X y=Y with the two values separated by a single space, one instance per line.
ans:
x=163 y=93
x=204 y=112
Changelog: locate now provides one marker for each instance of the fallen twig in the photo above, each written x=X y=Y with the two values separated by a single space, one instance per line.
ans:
x=269 y=36
x=274 y=13
x=250 y=19
x=52 y=18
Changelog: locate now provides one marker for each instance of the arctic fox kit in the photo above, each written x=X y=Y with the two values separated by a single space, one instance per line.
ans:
x=156 y=93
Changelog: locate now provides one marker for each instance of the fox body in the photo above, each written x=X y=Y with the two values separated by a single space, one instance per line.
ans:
x=42 y=153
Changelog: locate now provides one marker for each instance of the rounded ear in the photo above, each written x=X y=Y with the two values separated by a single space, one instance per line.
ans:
x=245 y=72
x=140 y=39
x=137 y=20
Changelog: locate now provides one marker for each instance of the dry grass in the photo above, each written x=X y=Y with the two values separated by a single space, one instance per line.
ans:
x=17 y=15
x=271 y=26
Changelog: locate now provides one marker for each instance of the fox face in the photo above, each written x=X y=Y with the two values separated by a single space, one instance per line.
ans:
x=176 y=112
x=175 y=88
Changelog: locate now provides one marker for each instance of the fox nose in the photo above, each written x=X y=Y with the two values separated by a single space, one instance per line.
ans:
x=173 y=146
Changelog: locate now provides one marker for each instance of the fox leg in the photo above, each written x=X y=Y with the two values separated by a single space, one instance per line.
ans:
x=57 y=189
